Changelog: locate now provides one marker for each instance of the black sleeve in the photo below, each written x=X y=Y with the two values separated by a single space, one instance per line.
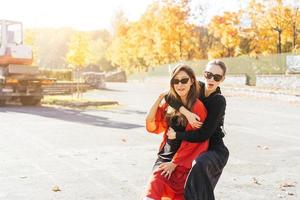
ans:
x=174 y=103
x=215 y=115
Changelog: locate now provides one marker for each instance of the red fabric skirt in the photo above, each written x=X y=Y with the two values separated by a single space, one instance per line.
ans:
x=161 y=188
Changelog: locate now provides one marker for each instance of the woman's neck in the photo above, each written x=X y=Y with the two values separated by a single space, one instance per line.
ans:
x=208 y=92
x=184 y=99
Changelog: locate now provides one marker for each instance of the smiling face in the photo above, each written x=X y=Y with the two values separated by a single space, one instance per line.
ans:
x=211 y=73
x=182 y=84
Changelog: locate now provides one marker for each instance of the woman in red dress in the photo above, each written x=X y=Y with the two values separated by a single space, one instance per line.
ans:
x=175 y=157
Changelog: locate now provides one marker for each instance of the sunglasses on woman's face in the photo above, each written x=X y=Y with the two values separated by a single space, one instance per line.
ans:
x=209 y=75
x=176 y=81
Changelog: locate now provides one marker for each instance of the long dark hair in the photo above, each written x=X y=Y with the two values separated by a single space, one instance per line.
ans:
x=173 y=96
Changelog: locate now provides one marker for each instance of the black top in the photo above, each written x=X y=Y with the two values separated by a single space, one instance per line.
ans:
x=168 y=151
x=212 y=127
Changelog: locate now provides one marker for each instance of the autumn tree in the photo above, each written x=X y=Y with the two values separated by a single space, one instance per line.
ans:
x=117 y=51
x=162 y=35
x=257 y=38
x=278 y=18
x=78 y=54
x=52 y=45
x=295 y=22
x=100 y=41
x=176 y=39
x=271 y=27
x=225 y=30
x=30 y=40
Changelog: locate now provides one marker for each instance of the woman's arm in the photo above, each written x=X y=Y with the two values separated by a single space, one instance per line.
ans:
x=193 y=119
x=214 y=117
x=154 y=118
x=151 y=114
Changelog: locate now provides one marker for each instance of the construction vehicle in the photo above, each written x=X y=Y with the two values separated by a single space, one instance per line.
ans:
x=19 y=80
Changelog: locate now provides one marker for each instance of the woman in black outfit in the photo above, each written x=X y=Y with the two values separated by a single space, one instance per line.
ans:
x=208 y=167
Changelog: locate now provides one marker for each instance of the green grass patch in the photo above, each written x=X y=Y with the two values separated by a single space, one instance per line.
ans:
x=81 y=103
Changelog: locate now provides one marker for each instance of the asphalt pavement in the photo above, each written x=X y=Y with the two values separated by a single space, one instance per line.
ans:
x=57 y=153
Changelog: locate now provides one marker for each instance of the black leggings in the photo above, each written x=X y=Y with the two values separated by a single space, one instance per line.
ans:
x=205 y=174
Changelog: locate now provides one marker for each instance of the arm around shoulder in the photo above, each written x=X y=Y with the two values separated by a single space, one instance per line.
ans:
x=216 y=111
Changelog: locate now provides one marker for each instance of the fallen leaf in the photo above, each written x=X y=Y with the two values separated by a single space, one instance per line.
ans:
x=254 y=180
x=288 y=184
x=280 y=196
x=266 y=148
x=291 y=194
x=55 y=188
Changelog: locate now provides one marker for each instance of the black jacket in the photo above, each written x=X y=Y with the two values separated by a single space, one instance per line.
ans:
x=212 y=128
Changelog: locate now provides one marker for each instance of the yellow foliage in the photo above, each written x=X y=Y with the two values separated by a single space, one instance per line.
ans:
x=30 y=40
x=78 y=54
x=271 y=26
x=162 y=35
x=226 y=29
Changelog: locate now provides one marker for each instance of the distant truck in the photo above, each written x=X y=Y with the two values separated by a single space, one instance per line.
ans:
x=18 y=78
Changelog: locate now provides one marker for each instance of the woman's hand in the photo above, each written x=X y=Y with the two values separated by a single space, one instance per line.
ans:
x=171 y=134
x=162 y=95
x=194 y=120
x=167 y=169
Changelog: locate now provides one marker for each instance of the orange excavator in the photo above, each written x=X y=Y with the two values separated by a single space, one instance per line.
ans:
x=19 y=80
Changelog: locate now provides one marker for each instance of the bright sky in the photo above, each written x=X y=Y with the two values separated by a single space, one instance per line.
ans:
x=79 y=14
x=86 y=14
x=217 y=7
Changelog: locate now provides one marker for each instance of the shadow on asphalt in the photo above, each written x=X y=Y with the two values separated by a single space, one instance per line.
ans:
x=69 y=115
x=111 y=90
x=126 y=111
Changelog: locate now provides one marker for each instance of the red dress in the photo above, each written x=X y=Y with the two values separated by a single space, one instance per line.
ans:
x=159 y=187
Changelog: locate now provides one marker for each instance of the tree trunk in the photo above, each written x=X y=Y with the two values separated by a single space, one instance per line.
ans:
x=180 y=49
x=294 y=35
x=77 y=85
x=180 y=46
x=295 y=28
x=279 y=39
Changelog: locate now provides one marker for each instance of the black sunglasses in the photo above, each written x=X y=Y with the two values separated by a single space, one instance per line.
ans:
x=176 y=81
x=209 y=75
